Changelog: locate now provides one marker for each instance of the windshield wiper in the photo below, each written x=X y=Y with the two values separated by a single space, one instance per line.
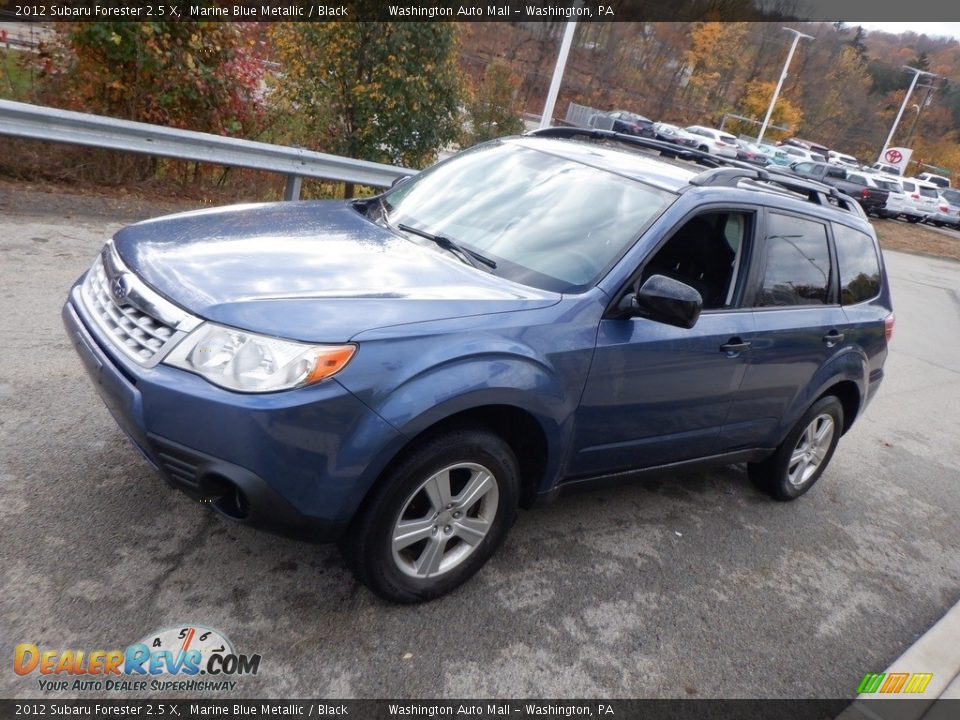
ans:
x=470 y=256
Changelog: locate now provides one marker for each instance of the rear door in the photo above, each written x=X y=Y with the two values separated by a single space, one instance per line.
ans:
x=798 y=324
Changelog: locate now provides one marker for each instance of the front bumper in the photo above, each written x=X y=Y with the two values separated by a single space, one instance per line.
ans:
x=297 y=463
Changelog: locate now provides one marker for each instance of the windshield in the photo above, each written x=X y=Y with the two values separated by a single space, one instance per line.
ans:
x=545 y=220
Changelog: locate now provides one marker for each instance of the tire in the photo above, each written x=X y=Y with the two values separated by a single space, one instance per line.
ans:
x=913 y=219
x=449 y=536
x=783 y=475
x=703 y=148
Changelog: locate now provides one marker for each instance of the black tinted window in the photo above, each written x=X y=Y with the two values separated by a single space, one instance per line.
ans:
x=859 y=266
x=797 y=269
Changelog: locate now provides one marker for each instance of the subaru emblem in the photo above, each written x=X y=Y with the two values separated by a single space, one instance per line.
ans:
x=118 y=287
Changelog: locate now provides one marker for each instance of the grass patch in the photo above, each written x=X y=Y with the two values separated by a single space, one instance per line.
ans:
x=902 y=236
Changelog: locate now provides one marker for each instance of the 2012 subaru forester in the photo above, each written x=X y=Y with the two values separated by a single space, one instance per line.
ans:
x=401 y=373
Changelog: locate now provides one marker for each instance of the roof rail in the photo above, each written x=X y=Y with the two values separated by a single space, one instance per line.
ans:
x=729 y=175
x=665 y=148
x=815 y=192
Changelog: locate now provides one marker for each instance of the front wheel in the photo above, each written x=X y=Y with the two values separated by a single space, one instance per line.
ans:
x=802 y=457
x=437 y=517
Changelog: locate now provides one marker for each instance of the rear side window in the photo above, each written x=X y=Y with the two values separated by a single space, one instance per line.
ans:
x=797 y=270
x=859 y=265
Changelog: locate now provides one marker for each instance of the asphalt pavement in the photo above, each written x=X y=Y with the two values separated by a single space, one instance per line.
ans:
x=687 y=586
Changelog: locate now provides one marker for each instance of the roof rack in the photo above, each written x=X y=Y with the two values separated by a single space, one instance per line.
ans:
x=723 y=172
x=665 y=148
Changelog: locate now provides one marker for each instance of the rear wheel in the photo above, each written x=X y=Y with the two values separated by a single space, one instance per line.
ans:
x=437 y=517
x=802 y=457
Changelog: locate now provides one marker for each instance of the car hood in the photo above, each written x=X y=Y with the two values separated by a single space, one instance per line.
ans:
x=313 y=271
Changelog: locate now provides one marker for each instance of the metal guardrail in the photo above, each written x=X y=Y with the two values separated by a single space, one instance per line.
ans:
x=64 y=126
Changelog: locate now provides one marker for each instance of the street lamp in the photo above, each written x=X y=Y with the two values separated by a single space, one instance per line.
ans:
x=913 y=83
x=783 y=76
x=558 y=69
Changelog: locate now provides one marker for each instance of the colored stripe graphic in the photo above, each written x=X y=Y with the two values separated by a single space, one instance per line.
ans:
x=918 y=682
x=914 y=683
x=894 y=683
x=870 y=683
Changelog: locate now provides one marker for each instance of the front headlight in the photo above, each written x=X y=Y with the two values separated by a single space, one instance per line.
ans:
x=248 y=362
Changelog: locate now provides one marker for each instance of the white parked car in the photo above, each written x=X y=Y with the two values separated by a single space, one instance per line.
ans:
x=896 y=199
x=938 y=180
x=799 y=154
x=886 y=168
x=922 y=199
x=948 y=209
x=715 y=142
x=838 y=158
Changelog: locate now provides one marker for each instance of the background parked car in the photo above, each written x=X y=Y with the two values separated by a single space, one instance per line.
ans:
x=715 y=142
x=672 y=133
x=886 y=169
x=838 y=158
x=938 y=180
x=625 y=122
x=777 y=156
x=752 y=153
x=896 y=204
x=948 y=209
x=809 y=145
x=922 y=199
x=798 y=154
x=871 y=198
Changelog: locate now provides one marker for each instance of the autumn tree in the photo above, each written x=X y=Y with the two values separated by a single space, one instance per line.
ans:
x=388 y=92
x=492 y=108
x=755 y=103
x=201 y=76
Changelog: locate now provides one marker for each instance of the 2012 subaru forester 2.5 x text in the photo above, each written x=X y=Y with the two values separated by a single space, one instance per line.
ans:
x=401 y=373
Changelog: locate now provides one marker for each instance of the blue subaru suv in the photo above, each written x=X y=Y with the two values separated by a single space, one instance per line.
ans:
x=402 y=373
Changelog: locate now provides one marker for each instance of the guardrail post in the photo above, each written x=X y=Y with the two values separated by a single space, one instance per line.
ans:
x=292 y=190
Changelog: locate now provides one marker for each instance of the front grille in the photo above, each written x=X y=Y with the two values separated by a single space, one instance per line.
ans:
x=135 y=319
x=140 y=335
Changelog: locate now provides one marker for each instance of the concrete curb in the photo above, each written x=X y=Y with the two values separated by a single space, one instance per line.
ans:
x=936 y=652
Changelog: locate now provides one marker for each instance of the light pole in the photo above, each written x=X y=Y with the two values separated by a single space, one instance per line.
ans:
x=558 y=69
x=913 y=83
x=783 y=76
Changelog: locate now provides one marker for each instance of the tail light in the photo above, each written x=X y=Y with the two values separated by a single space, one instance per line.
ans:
x=944 y=209
x=888 y=322
x=915 y=196
x=865 y=193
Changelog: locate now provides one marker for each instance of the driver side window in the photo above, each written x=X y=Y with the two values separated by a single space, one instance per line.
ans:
x=706 y=253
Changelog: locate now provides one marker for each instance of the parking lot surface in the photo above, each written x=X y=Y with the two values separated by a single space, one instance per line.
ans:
x=686 y=586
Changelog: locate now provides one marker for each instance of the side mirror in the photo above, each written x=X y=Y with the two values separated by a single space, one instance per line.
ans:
x=397 y=181
x=665 y=300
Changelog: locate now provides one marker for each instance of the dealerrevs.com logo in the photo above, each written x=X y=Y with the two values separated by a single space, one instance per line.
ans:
x=190 y=658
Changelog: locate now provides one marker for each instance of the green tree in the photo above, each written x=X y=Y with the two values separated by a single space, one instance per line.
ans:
x=493 y=110
x=388 y=92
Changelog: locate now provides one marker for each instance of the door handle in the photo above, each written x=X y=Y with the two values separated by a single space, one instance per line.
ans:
x=833 y=338
x=734 y=347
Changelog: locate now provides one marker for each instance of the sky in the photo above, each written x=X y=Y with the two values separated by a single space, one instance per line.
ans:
x=948 y=29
